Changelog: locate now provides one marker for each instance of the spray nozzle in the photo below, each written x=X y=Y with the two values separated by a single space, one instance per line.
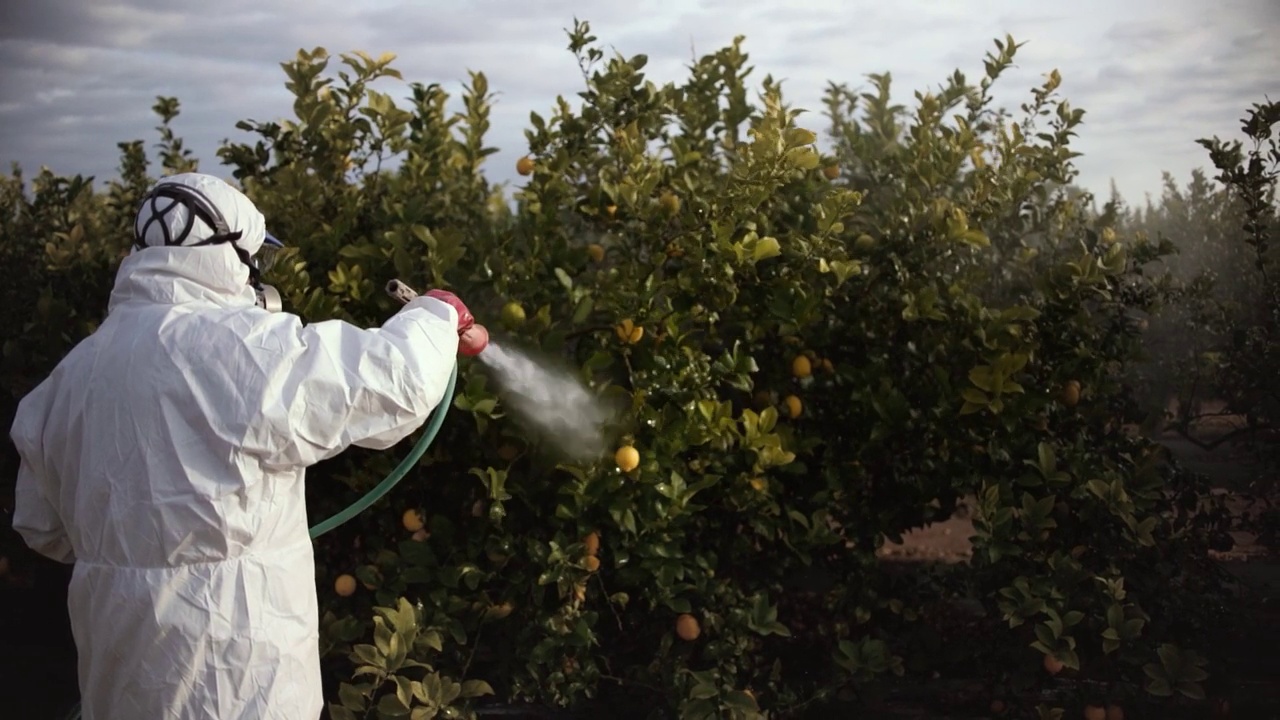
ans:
x=401 y=292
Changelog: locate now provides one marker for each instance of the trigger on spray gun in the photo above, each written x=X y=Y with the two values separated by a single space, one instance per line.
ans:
x=474 y=339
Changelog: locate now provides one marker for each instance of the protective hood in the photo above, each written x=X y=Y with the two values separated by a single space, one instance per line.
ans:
x=178 y=275
x=193 y=246
x=161 y=219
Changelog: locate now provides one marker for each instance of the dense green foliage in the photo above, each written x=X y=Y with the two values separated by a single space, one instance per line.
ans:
x=969 y=326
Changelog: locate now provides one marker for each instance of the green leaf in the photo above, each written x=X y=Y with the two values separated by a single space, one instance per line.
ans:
x=739 y=700
x=803 y=158
x=1070 y=659
x=584 y=309
x=391 y=706
x=1193 y=674
x=679 y=605
x=775 y=628
x=1100 y=488
x=1046 y=636
x=404 y=690
x=1048 y=460
x=338 y=712
x=699 y=709
x=843 y=270
x=351 y=698
x=564 y=278
x=1191 y=690
x=432 y=639
x=368 y=655
x=475 y=688
x=981 y=376
x=801 y=136
x=764 y=248
x=702 y=691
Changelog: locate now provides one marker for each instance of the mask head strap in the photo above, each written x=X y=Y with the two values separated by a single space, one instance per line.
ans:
x=197 y=205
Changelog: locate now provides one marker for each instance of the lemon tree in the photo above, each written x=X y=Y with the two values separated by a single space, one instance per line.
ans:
x=817 y=347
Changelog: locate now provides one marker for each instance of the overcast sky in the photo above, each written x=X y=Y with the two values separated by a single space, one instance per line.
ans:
x=1153 y=75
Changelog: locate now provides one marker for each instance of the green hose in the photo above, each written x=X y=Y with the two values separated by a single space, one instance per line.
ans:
x=433 y=427
x=390 y=481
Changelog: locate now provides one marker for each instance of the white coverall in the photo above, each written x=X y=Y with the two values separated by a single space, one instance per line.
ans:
x=165 y=458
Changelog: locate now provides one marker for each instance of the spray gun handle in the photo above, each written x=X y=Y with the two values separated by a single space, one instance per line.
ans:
x=406 y=294
x=474 y=336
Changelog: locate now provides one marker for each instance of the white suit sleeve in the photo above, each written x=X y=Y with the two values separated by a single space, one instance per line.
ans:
x=35 y=518
x=343 y=385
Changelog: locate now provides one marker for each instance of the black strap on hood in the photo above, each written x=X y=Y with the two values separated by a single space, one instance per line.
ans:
x=197 y=205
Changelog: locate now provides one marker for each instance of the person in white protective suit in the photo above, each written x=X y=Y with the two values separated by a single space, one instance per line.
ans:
x=165 y=457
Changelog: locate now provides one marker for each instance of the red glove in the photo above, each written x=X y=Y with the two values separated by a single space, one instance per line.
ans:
x=465 y=318
x=473 y=341
x=474 y=338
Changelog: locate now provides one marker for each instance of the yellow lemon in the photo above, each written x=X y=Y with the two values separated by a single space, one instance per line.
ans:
x=1071 y=393
x=801 y=367
x=627 y=457
x=513 y=314
x=412 y=520
x=628 y=332
x=344 y=585
x=794 y=406
x=669 y=202
x=687 y=627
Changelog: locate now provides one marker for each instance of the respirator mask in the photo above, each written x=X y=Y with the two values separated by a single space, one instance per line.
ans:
x=199 y=206
x=259 y=265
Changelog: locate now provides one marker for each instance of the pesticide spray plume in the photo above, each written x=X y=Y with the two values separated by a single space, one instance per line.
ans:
x=551 y=401
x=546 y=399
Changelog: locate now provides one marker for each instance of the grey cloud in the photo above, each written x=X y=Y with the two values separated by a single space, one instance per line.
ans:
x=487 y=23
x=1255 y=40
x=1115 y=72
x=1037 y=18
x=82 y=75
x=1140 y=36
x=53 y=20
x=1254 y=13
x=424 y=27
x=105 y=23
